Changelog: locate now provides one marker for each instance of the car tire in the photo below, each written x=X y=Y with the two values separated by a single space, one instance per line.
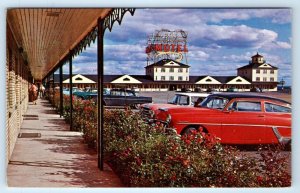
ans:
x=135 y=106
x=189 y=130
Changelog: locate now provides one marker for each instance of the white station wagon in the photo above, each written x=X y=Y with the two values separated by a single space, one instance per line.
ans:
x=150 y=110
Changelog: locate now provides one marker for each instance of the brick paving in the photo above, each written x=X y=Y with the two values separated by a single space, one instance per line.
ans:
x=58 y=158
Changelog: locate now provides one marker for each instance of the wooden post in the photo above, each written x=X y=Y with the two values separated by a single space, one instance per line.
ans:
x=100 y=67
x=71 y=91
x=61 y=90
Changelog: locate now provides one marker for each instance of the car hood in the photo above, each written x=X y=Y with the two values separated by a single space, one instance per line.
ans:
x=155 y=106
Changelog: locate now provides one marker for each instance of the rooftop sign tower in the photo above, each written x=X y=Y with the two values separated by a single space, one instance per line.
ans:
x=166 y=44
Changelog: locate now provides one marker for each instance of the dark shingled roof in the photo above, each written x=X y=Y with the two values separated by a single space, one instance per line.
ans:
x=164 y=61
x=256 y=55
x=143 y=78
x=224 y=79
x=255 y=65
x=149 y=79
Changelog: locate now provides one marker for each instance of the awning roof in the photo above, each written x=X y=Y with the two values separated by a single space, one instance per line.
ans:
x=47 y=35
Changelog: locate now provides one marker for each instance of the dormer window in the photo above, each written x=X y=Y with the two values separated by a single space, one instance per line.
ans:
x=238 y=80
x=78 y=78
x=208 y=80
x=126 y=79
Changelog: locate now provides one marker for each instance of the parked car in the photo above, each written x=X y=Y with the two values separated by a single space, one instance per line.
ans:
x=255 y=89
x=118 y=97
x=66 y=91
x=89 y=93
x=149 y=110
x=232 y=89
x=234 y=118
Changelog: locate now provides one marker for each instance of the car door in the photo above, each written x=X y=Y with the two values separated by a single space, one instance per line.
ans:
x=277 y=117
x=243 y=122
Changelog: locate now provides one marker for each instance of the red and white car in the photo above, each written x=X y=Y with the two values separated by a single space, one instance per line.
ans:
x=150 y=110
x=234 y=118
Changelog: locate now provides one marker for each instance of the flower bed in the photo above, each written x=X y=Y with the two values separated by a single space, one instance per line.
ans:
x=144 y=156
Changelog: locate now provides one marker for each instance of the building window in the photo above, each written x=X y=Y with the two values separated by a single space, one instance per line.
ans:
x=265 y=79
x=187 y=70
x=180 y=78
x=272 y=79
x=186 y=78
x=257 y=71
x=155 y=77
x=265 y=71
x=163 y=70
x=171 y=69
x=257 y=79
x=272 y=71
x=155 y=69
x=163 y=78
x=171 y=77
x=180 y=70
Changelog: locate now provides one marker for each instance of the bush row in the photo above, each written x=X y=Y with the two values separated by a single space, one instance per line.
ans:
x=144 y=156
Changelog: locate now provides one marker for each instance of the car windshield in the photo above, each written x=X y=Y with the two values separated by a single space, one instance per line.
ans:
x=214 y=102
x=174 y=100
x=180 y=100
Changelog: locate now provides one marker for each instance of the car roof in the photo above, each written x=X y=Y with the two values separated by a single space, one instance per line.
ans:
x=192 y=94
x=247 y=95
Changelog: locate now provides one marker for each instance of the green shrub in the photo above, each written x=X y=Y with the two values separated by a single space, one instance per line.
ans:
x=144 y=156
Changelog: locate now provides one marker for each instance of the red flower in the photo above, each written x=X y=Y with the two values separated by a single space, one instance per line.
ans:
x=138 y=161
x=188 y=142
x=259 y=179
x=173 y=177
x=186 y=163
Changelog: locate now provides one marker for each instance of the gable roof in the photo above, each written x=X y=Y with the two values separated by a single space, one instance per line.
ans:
x=149 y=79
x=162 y=63
x=255 y=66
x=224 y=79
x=207 y=80
x=78 y=78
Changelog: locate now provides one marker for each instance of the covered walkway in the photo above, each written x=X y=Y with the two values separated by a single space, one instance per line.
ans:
x=48 y=154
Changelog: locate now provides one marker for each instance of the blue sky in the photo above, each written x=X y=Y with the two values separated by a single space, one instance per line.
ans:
x=219 y=40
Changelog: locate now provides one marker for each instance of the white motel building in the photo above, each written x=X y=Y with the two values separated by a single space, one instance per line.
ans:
x=169 y=74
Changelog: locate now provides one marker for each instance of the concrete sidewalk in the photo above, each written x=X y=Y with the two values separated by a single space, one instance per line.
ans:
x=58 y=158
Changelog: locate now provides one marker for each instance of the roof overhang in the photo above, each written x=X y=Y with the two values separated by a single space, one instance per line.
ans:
x=46 y=35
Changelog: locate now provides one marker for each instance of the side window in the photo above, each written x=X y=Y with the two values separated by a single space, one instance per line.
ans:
x=245 y=106
x=130 y=94
x=194 y=99
x=183 y=100
x=217 y=103
x=277 y=108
